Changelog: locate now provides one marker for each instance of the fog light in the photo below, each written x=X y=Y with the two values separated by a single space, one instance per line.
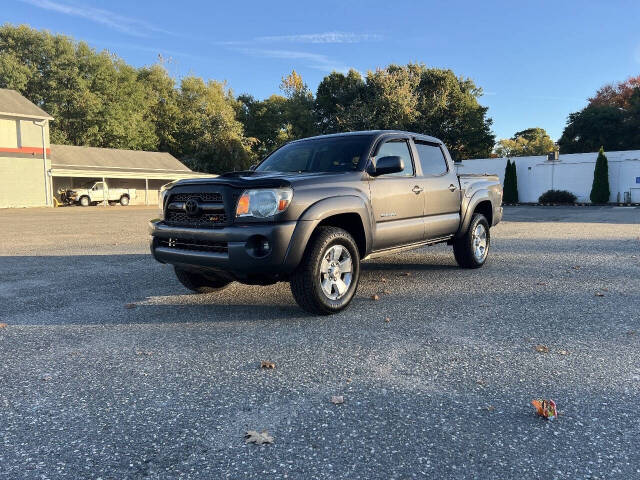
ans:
x=258 y=246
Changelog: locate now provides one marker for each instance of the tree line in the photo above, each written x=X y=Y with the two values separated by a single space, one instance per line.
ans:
x=99 y=100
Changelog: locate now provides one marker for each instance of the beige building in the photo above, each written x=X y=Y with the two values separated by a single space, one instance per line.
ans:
x=29 y=178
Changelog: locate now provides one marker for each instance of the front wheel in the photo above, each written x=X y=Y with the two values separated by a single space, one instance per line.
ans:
x=85 y=202
x=200 y=283
x=472 y=248
x=326 y=280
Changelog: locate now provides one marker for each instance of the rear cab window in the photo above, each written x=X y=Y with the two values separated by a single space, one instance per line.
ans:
x=432 y=159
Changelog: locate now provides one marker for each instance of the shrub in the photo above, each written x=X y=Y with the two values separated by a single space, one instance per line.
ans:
x=557 y=196
x=510 y=189
x=600 y=192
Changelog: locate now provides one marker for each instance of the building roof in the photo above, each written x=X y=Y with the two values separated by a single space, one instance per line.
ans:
x=15 y=105
x=72 y=157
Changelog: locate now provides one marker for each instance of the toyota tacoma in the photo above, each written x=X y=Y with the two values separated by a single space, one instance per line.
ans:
x=314 y=208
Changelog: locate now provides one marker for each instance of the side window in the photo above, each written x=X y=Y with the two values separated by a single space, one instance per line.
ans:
x=399 y=148
x=431 y=159
x=98 y=186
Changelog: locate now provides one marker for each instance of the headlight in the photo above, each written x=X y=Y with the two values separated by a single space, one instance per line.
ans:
x=264 y=202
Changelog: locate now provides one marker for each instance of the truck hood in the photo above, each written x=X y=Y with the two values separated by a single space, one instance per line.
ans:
x=252 y=179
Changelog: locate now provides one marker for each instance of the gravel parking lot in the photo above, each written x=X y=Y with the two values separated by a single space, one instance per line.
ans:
x=111 y=369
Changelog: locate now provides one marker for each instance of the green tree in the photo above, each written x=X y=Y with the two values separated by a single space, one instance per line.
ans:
x=95 y=98
x=532 y=141
x=600 y=192
x=411 y=97
x=299 y=106
x=208 y=136
x=510 y=188
x=266 y=123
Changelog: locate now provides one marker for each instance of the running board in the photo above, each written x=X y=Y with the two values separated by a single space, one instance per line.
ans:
x=403 y=248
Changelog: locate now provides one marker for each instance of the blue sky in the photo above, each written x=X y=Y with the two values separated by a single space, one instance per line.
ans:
x=536 y=61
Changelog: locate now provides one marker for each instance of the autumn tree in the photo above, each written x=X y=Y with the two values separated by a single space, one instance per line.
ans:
x=611 y=119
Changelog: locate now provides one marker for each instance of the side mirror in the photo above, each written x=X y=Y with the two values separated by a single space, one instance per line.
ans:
x=386 y=165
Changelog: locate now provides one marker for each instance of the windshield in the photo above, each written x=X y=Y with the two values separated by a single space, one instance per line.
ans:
x=333 y=154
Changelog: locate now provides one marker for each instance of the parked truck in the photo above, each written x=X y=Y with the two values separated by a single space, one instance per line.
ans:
x=314 y=208
x=95 y=192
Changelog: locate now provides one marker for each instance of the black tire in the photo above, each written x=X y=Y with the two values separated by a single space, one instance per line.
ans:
x=124 y=200
x=305 y=282
x=464 y=247
x=200 y=283
x=85 y=201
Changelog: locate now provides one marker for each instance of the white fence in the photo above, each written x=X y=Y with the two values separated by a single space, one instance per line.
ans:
x=572 y=172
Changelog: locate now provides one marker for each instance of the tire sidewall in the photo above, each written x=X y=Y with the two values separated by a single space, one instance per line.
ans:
x=478 y=219
x=347 y=242
x=124 y=201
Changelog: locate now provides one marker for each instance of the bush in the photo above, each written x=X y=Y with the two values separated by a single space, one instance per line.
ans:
x=600 y=192
x=510 y=189
x=557 y=196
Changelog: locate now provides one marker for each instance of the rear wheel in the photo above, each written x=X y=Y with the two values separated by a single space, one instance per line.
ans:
x=326 y=280
x=124 y=200
x=200 y=283
x=472 y=248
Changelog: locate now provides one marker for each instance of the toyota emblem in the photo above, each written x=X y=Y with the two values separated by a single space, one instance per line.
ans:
x=192 y=207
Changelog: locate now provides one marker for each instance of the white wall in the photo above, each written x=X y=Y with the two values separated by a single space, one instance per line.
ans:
x=572 y=172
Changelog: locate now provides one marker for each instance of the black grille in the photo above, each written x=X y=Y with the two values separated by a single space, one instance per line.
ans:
x=205 y=197
x=211 y=218
x=196 y=245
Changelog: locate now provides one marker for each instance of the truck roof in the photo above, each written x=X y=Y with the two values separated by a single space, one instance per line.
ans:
x=375 y=133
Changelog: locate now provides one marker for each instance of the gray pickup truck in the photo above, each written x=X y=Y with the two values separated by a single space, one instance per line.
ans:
x=314 y=208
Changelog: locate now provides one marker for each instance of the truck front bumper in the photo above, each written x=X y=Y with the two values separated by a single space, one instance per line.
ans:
x=250 y=253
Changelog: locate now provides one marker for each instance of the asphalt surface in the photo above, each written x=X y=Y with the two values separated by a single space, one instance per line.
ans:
x=110 y=369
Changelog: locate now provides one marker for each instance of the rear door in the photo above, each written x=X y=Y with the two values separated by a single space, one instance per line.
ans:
x=398 y=198
x=442 y=190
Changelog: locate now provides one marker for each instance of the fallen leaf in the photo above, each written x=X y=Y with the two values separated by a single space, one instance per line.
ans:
x=405 y=274
x=383 y=280
x=387 y=319
x=337 y=399
x=258 y=438
x=349 y=380
x=481 y=381
x=130 y=305
x=264 y=364
x=576 y=267
x=386 y=292
x=599 y=294
x=542 y=349
x=490 y=408
x=375 y=297
x=3 y=325
x=563 y=352
x=545 y=408
x=144 y=352
x=46 y=378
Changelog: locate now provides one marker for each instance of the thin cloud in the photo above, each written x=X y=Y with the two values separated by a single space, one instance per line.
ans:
x=110 y=19
x=312 y=60
x=326 y=37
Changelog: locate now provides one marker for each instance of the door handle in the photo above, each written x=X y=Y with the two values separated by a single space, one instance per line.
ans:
x=452 y=187
x=417 y=190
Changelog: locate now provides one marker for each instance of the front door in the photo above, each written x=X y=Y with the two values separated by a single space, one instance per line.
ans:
x=97 y=192
x=442 y=200
x=397 y=199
